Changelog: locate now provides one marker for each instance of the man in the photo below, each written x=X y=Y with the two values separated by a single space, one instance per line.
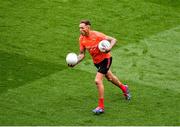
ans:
x=89 y=40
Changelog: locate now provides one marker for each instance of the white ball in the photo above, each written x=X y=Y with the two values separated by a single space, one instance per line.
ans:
x=103 y=45
x=71 y=58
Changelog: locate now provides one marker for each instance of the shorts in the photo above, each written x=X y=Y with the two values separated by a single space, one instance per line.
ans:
x=104 y=65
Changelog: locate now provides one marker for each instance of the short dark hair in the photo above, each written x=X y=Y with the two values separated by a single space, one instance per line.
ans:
x=86 y=22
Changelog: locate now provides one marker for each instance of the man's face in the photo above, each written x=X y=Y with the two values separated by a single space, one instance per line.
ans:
x=84 y=29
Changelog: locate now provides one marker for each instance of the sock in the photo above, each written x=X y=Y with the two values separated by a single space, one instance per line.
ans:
x=101 y=102
x=122 y=87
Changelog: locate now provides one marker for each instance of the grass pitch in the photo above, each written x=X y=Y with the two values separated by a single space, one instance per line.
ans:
x=37 y=87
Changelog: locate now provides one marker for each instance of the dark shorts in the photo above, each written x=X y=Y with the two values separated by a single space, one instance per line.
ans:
x=104 y=65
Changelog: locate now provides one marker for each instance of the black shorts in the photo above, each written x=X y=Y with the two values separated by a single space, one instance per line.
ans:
x=104 y=65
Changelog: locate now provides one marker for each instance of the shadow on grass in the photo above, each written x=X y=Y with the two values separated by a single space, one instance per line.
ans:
x=16 y=70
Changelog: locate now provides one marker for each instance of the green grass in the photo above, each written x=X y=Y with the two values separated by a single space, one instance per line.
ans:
x=37 y=87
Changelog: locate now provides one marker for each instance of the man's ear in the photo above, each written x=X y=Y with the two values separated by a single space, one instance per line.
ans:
x=88 y=26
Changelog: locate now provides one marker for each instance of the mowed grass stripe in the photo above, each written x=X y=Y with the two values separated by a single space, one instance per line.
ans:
x=18 y=70
x=154 y=61
x=54 y=97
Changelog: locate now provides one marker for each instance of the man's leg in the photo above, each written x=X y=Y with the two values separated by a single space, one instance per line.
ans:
x=100 y=88
x=112 y=78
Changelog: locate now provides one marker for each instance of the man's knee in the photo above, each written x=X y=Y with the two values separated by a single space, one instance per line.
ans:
x=97 y=81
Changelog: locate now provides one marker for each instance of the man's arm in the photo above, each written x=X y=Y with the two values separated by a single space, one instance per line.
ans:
x=80 y=57
x=112 y=41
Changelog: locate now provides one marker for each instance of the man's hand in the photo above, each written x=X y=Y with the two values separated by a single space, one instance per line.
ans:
x=112 y=41
x=107 y=49
x=80 y=58
x=70 y=65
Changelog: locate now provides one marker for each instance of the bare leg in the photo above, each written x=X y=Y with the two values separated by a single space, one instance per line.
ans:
x=99 y=84
x=112 y=78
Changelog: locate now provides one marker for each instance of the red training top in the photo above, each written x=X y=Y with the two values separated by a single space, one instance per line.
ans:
x=91 y=44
